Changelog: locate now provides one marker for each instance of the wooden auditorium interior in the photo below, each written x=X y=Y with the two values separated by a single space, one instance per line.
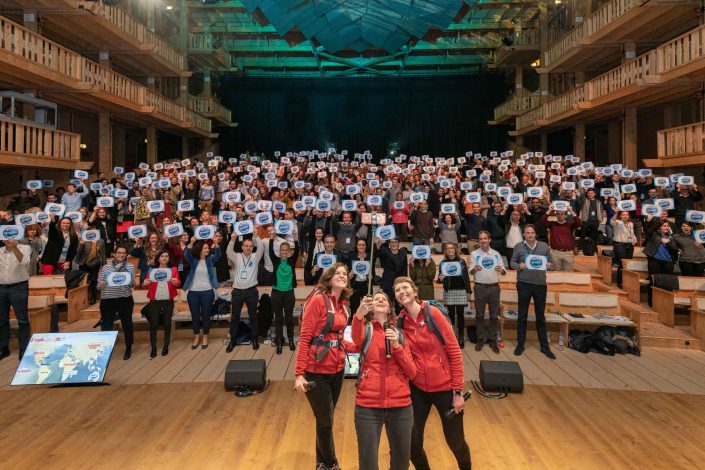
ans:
x=96 y=85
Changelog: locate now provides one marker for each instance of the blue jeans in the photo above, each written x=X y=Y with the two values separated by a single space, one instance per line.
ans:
x=200 y=304
x=17 y=297
x=526 y=292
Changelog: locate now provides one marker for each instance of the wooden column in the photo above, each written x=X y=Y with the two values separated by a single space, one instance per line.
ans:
x=151 y=145
x=119 y=148
x=629 y=139
x=207 y=90
x=105 y=144
x=544 y=79
x=183 y=29
x=579 y=78
x=185 y=153
x=519 y=80
x=614 y=141
x=579 y=141
x=152 y=15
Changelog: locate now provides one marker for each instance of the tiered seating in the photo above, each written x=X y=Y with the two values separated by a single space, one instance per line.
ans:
x=55 y=286
x=664 y=302
x=39 y=310
x=635 y=275
x=697 y=317
x=605 y=267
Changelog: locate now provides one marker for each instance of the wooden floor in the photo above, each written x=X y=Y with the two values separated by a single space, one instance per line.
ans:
x=657 y=370
x=199 y=425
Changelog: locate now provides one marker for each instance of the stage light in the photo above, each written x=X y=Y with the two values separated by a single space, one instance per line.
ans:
x=170 y=7
x=536 y=63
x=83 y=146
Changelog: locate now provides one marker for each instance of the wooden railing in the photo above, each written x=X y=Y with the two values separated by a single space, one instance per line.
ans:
x=564 y=102
x=164 y=106
x=683 y=140
x=34 y=141
x=568 y=42
x=631 y=73
x=209 y=106
x=525 y=38
x=518 y=103
x=199 y=41
x=128 y=24
x=530 y=118
x=681 y=51
x=31 y=46
x=113 y=83
x=200 y=122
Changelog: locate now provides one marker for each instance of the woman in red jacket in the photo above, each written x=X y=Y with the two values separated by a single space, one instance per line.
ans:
x=383 y=396
x=439 y=373
x=162 y=291
x=321 y=357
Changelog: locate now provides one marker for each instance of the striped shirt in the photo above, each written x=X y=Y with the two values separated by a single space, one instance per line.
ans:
x=118 y=292
x=73 y=201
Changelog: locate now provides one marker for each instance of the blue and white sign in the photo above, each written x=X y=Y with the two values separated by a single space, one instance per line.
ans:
x=561 y=206
x=75 y=216
x=284 y=227
x=399 y=205
x=145 y=181
x=504 y=191
x=686 y=180
x=226 y=217
x=187 y=205
x=41 y=217
x=699 y=236
x=34 y=185
x=105 y=201
x=155 y=206
x=349 y=205
x=244 y=227
x=53 y=208
x=309 y=201
x=473 y=197
x=628 y=188
x=651 y=210
x=137 y=231
x=568 y=185
x=607 y=192
x=25 y=219
x=11 y=232
x=416 y=198
x=661 y=181
x=278 y=206
x=487 y=262
x=325 y=261
x=80 y=174
x=118 y=170
x=695 y=216
x=665 y=204
x=374 y=200
x=421 y=251
x=536 y=263
x=386 y=232
x=515 y=198
x=264 y=205
x=451 y=268
x=587 y=184
x=626 y=205
x=361 y=268
x=160 y=274
x=352 y=189
x=323 y=205
x=118 y=279
x=250 y=207
x=299 y=206
x=490 y=187
x=447 y=208
x=204 y=232
x=263 y=218
x=534 y=191
x=121 y=193
x=90 y=235
x=466 y=186
x=173 y=230
x=644 y=173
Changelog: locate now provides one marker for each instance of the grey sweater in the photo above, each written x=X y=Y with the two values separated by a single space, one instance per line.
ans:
x=530 y=276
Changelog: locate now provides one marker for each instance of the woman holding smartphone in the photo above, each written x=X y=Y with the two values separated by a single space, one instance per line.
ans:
x=383 y=396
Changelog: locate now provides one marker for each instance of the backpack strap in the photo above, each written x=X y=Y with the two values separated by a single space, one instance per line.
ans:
x=432 y=323
x=319 y=340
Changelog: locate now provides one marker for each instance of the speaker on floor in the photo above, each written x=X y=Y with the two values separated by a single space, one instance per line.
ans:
x=501 y=376
x=250 y=373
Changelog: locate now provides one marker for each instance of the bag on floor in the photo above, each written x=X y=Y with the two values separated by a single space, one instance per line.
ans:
x=587 y=245
x=244 y=334
x=265 y=314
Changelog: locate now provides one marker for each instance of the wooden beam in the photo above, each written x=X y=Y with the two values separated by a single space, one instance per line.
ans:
x=629 y=136
x=105 y=143
x=151 y=145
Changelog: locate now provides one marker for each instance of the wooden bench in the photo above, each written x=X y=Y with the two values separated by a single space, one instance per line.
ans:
x=697 y=317
x=617 y=313
x=555 y=324
x=558 y=281
x=55 y=286
x=635 y=276
x=39 y=312
x=664 y=302
x=606 y=268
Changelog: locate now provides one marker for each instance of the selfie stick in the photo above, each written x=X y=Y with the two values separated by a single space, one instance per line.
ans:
x=373 y=222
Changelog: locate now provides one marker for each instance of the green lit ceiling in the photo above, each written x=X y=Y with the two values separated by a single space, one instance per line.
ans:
x=359 y=38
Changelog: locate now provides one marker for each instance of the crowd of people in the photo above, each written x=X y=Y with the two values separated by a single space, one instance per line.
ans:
x=244 y=222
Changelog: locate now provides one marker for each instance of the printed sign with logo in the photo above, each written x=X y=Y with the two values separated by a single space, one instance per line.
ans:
x=80 y=174
x=487 y=262
x=164 y=183
x=515 y=198
x=53 y=208
x=263 y=218
x=325 y=261
x=187 y=205
x=232 y=196
x=399 y=205
x=173 y=230
x=661 y=181
x=626 y=173
x=278 y=206
x=155 y=206
x=204 y=232
x=361 y=268
x=25 y=219
x=644 y=172
x=34 y=185
x=473 y=197
x=587 y=184
x=695 y=216
x=568 y=185
x=326 y=195
x=160 y=275
x=105 y=201
x=137 y=231
x=349 y=205
x=226 y=217
x=686 y=180
x=651 y=210
x=250 y=207
x=490 y=187
x=299 y=206
x=244 y=227
x=699 y=236
x=451 y=268
x=416 y=198
x=145 y=181
x=374 y=200
x=534 y=191
x=90 y=235
x=607 y=192
x=626 y=205
x=41 y=217
x=121 y=193
x=118 y=170
x=536 y=263
x=466 y=186
x=323 y=205
x=447 y=208
x=665 y=204
x=48 y=183
x=284 y=227
x=75 y=216
x=628 y=188
x=352 y=189
x=421 y=252
x=504 y=191
x=118 y=279
x=386 y=232
x=11 y=232
x=561 y=206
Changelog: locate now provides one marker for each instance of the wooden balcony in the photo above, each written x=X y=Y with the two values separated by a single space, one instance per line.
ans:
x=210 y=108
x=203 y=56
x=91 y=26
x=515 y=105
x=523 y=51
x=680 y=146
x=596 y=43
x=564 y=106
x=529 y=122
x=27 y=145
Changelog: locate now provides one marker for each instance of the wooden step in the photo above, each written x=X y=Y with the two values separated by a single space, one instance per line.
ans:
x=654 y=334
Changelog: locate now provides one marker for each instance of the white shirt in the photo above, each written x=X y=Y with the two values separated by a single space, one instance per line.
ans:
x=12 y=272
x=162 y=291
x=514 y=236
x=201 y=281
x=245 y=268
x=486 y=276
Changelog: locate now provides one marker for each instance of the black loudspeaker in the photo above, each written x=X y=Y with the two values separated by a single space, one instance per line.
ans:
x=251 y=373
x=496 y=376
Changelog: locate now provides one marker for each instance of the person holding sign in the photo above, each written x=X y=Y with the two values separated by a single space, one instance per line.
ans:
x=201 y=284
x=116 y=296
x=283 y=298
x=26 y=200
x=162 y=280
x=486 y=265
x=393 y=262
x=61 y=247
x=683 y=200
x=531 y=284
x=422 y=225
x=73 y=199
x=360 y=282
x=423 y=272
x=90 y=257
x=562 y=240
x=592 y=214
x=456 y=288
x=624 y=238
x=661 y=251
x=691 y=259
x=329 y=242
x=14 y=292
x=315 y=246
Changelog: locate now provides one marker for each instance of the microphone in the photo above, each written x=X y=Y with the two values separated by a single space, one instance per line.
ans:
x=451 y=412
x=387 y=343
x=309 y=386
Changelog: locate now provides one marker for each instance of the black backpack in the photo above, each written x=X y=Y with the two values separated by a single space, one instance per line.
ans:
x=428 y=318
x=265 y=313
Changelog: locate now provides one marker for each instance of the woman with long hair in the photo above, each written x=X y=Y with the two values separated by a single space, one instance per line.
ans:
x=283 y=297
x=33 y=238
x=201 y=284
x=661 y=252
x=321 y=358
x=61 y=247
x=315 y=246
x=161 y=294
x=146 y=250
x=90 y=257
x=439 y=373
x=383 y=396
x=177 y=246
x=423 y=273
x=456 y=289
x=692 y=254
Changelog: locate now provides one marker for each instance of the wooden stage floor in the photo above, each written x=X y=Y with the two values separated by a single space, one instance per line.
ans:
x=199 y=425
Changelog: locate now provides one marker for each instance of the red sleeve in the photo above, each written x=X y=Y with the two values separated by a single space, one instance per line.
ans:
x=407 y=364
x=175 y=275
x=455 y=355
x=314 y=308
x=146 y=276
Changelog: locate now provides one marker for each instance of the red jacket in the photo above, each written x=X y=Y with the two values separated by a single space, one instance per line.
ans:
x=172 y=287
x=399 y=216
x=384 y=383
x=312 y=323
x=438 y=368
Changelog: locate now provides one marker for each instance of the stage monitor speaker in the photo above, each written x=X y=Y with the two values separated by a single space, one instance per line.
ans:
x=250 y=373
x=505 y=376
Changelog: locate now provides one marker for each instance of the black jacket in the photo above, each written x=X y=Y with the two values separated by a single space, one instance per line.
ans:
x=55 y=244
x=276 y=261
x=464 y=273
x=653 y=243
